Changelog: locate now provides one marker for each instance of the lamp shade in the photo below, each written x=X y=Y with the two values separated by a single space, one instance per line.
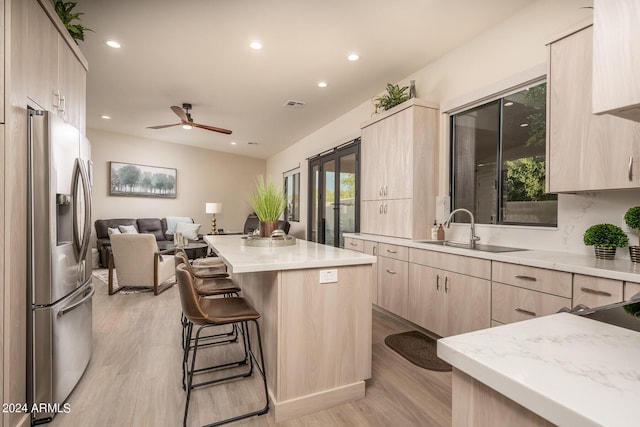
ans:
x=213 y=208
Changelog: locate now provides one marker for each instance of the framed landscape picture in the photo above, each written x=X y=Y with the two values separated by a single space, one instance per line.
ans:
x=126 y=179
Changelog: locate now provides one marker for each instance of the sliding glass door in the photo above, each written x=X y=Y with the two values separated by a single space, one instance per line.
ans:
x=334 y=207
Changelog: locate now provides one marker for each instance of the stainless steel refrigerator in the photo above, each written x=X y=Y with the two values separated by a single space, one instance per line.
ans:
x=59 y=271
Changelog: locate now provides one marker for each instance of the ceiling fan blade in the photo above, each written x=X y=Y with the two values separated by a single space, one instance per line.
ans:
x=180 y=112
x=215 y=129
x=163 y=126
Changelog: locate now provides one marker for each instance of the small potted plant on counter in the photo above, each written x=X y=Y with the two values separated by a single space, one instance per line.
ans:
x=632 y=219
x=268 y=202
x=605 y=238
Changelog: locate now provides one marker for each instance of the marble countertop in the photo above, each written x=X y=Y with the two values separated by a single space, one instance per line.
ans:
x=619 y=269
x=304 y=254
x=568 y=369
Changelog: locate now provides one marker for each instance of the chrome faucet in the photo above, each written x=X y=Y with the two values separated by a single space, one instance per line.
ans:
x=472 y=236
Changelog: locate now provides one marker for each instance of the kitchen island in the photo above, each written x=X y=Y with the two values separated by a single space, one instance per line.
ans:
x=315 y=302
x=560 y=369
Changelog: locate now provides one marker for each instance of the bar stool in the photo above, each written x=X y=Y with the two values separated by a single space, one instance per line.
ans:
x=208 y=284
x=212 y=312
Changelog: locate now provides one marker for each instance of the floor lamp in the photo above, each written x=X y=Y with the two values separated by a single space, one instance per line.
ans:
x=213 y=208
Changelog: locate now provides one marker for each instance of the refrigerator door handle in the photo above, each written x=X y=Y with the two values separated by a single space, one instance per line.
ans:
x=80 y=176
x=92 y=291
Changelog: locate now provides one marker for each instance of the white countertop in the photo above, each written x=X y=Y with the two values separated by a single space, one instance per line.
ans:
x=304 y=254
x=570 y=370
x=619 y=269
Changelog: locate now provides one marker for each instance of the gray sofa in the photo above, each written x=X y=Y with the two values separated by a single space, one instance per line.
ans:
x=155 y=226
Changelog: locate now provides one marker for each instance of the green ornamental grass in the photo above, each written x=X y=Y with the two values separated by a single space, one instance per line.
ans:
x=267 y=200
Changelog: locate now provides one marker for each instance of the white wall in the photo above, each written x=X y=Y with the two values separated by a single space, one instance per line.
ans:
x=511 y=48
x=202 y=176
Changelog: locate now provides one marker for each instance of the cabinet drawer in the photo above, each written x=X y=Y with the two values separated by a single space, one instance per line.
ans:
x=512 y=304
x=537 y=279
x=595 y=291
x=354 y=244
x=630 y=289
x=468 y=266
x=393 y=251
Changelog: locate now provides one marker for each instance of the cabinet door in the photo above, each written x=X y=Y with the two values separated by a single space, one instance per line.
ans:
x=468 y=303
x=393 y=286
x=40 y=56
x=370 y=146
x=72 y=82
x=371 y=248
x=616 y=64
x=397 y=155
x=595 y=291
x=354 y=244
x=427 y=305
x=577 y=134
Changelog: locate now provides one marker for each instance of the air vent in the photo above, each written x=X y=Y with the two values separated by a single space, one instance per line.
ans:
x=294 y=104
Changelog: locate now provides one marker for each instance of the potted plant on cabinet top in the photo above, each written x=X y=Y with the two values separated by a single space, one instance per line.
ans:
x=395 y=95
x=605 y=238
x=632 y=219
x=268 y=202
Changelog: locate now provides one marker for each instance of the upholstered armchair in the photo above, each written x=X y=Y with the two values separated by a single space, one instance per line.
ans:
x=139 y=263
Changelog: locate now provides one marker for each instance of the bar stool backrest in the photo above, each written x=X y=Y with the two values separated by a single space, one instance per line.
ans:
x=189 y=296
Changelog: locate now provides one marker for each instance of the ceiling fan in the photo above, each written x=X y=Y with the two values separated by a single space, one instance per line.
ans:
x=187 y=122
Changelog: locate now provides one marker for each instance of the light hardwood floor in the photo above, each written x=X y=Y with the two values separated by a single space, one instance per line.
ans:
x=134 y=377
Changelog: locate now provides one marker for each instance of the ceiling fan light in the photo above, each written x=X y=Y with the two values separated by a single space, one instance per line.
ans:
x=187 y=126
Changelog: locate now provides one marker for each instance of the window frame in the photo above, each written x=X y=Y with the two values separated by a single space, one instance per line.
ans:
x=498 y=96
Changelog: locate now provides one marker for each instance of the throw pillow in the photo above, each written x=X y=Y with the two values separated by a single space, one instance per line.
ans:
x=128 y=229
x=190 y=231
x=111 y=231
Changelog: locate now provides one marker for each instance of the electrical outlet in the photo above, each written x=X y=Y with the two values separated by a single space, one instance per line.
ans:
x=328 y=276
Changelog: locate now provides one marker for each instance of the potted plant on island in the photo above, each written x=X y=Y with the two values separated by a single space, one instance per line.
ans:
x=605 y=238
x=268 y=202
x=632 y=219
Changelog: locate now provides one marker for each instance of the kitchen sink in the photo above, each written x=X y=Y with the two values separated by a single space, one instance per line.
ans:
x=476 y=247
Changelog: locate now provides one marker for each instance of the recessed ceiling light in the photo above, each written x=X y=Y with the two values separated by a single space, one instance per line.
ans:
x=233 y=143
x=255 y=45
x=114 y=44
x=106 y=117
x=353 y=57
x=322 y=84
x=508 y=104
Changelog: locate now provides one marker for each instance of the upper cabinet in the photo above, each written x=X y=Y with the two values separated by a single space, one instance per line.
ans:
x=399 y=151
x=616 y=58
x=585 y=152
x=54 y=72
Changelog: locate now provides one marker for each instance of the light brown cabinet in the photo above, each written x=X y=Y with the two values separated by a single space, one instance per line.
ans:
x=354 y=244
x=616 y=64
x=371 y=248
x=444 y=301
x=630 y=289
x=596 y=291
x=520 y=292
x=393 y=285
x=55 y=74
x=575 y=133
x=447 y=303
x=399 y=171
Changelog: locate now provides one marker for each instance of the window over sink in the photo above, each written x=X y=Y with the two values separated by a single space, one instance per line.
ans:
x=498 y=160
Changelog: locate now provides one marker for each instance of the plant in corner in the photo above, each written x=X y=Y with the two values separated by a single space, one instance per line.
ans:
x=268 y=201
x=64 y=11
x=632 y=219
x=605 y=238
x=395 y=95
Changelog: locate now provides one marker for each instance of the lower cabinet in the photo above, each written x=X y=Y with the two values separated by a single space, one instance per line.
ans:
x=512 y=304
x=596 y=291
x=630 y=289
x=371 y=248
x=448 y=303
x=393 y=285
